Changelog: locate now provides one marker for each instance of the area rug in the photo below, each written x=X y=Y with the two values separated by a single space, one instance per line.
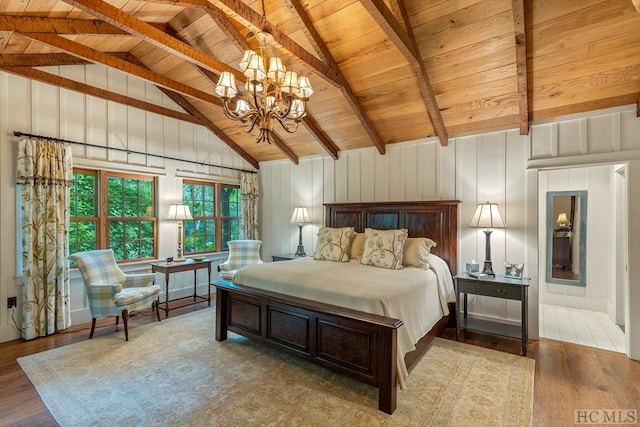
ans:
x=176 y=373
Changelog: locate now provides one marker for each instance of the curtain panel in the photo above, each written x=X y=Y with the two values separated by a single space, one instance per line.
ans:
x=45 y=177
x=249 y=193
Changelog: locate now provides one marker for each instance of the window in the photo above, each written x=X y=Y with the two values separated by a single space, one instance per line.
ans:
x=113 y=210
x=215 y=209
x=83 y=227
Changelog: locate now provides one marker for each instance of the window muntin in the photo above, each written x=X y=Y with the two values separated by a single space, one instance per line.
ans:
x=215 y=209
x=122 y=217
x=83 y=226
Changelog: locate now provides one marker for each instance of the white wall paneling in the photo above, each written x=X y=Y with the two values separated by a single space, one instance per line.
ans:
x=38 y=108
x=500 y=166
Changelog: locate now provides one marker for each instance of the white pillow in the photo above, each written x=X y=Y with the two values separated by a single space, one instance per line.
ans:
x=416 y=252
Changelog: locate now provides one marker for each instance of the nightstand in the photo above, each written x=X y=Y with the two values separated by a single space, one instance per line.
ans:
x=497 y=287
x=284 y=257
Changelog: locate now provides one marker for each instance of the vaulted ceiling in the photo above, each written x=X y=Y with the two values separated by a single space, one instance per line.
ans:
x=383 y=71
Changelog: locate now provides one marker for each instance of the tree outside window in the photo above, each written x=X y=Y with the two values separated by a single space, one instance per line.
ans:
x=113 y=210
x=215 y=209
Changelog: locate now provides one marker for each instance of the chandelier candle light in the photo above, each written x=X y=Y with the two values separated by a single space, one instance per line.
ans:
x=179 y=212
x=272 y=95
x=487 y=216
x=301 y=217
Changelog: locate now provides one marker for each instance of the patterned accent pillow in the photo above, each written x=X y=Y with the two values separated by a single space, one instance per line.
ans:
x=416 y=252
x=333 y=244
x=383 y=248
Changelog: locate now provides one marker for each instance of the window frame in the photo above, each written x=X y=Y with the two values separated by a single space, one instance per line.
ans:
x=217 y=210
x=103 y=220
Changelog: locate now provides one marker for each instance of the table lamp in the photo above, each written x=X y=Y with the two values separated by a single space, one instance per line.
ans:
x=301 y=217
x=487 y=216
x=179 y=212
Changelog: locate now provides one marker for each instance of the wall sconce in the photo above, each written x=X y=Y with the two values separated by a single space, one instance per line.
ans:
x=301 y=217
x=487 y=216
x=179 y=212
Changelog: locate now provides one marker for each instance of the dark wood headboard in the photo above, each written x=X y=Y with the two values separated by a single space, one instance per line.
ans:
x=435 y=219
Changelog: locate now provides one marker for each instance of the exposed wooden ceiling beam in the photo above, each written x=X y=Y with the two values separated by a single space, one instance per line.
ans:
x=278 y=142
x=153 y=35
x=396 y=9
x=4 y=39
x=312 y=126
x=245 y=15
x=521 y=64
x=204 y=120
x=33 y=24
x=213 y=77
x=234 y=34
x=44 y=77
x=93 y=55
x=224 y=22
x=406 y=43
x=345 y=87
x=190 y=108
x=47 y=59
x=160 y=39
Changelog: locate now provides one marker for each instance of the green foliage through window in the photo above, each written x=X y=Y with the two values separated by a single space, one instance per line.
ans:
x=215 y=209
x=126 y=224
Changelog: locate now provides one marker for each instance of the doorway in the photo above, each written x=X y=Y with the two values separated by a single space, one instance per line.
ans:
x=593 y=314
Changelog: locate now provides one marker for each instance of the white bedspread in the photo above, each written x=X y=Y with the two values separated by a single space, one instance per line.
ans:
x=417 y=297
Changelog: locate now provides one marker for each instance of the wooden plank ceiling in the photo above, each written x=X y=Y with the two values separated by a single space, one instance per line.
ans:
x=382 y=71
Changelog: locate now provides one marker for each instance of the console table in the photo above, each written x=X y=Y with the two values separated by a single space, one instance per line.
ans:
x=497 y=287
x=188 y=264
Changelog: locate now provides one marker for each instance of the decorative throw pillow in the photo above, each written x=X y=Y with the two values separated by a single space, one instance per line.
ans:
x=357 y=245
x=333 y=244
x=416 y=252
x=383 y=248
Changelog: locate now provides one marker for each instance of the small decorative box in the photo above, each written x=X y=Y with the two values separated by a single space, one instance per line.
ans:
x=472 y=267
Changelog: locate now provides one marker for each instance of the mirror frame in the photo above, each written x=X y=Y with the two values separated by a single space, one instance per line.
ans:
x=582 y=247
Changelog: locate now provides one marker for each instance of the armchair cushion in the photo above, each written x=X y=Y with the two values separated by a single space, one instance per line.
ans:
x=130 y=296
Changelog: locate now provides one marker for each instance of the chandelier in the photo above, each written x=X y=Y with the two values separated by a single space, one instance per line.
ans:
x=275 y=95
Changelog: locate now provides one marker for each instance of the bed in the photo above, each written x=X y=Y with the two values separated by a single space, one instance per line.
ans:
x=361 y=343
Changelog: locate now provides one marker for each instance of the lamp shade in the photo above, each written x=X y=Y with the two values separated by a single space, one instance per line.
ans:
x=179 y=212
x=562 y=219
x=300 y=216
x=487 y=215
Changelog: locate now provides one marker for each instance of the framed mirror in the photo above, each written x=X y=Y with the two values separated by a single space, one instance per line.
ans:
x=566 y=237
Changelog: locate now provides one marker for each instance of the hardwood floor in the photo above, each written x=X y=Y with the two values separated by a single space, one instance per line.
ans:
x=567 y=376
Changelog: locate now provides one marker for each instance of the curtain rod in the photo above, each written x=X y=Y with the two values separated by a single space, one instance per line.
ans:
x=85 y=144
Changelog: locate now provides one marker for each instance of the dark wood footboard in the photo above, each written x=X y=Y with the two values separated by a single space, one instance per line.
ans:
x=361 y=345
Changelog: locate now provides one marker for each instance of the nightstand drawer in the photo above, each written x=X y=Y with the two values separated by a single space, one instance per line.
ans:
x=490 y=289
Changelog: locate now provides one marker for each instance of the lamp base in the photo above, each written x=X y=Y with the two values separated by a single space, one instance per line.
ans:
x=179 y=259
x=300 y=251
x=488 y=268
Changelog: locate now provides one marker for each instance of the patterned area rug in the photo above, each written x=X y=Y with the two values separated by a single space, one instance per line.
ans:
x=175 y=373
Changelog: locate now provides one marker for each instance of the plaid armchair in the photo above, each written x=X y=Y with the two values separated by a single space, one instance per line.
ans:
x=110 y=291
x=241 y=253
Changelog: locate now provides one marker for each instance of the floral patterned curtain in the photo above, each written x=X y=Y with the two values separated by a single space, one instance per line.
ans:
x=249 y=191
x=45 y=175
